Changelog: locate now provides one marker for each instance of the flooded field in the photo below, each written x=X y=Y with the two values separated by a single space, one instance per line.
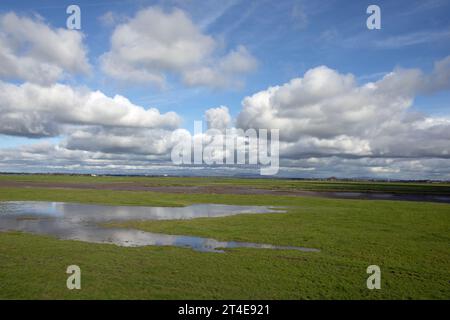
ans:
x=83 y=222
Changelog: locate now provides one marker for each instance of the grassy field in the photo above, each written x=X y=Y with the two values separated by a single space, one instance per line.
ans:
x=408 y=240
x=275 y=184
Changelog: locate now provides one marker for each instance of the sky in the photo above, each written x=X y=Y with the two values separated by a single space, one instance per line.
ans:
x=348 y=101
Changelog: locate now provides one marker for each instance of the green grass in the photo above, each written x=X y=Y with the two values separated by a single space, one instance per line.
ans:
x=274 y=184
x=408 y=240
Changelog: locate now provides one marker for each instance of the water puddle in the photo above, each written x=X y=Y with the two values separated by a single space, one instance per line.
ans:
x=81 y=222
x=386 y=196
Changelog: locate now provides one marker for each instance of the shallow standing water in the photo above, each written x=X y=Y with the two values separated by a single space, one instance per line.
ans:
x=72 y=221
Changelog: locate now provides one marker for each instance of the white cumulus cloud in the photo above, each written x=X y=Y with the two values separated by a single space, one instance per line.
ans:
x=154 y=44
x=34 y=110
x=218 y=118
x=327 y=113
x=31 y=50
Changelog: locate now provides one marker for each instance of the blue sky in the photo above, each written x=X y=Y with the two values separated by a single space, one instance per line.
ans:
x=285 y=38
x=284 y=44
